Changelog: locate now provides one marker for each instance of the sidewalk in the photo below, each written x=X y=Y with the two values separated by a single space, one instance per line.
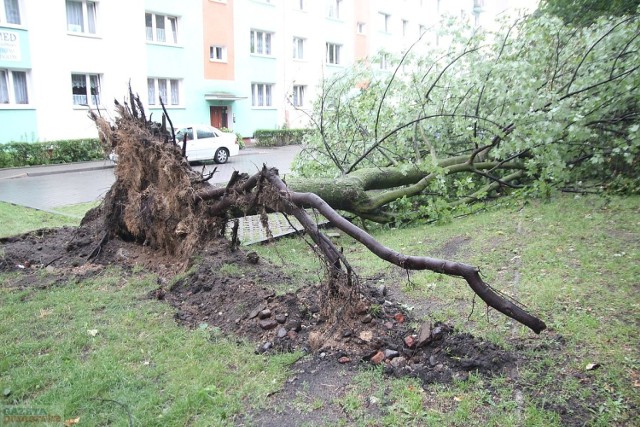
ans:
x=41 y=170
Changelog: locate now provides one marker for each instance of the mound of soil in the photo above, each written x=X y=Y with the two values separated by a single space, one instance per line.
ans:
x=247 y=306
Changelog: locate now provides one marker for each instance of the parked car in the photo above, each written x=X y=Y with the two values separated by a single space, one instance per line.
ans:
x=205 y=142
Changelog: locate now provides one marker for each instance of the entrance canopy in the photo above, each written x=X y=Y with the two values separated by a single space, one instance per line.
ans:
x=222 y=96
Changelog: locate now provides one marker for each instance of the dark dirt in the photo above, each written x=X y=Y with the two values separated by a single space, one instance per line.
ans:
x=246 y=305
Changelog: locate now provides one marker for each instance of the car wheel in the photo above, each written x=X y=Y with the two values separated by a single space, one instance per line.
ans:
x=221 y=156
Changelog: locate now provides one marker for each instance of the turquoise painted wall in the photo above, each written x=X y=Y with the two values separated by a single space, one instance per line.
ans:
x=184 y=61
x=17 y=124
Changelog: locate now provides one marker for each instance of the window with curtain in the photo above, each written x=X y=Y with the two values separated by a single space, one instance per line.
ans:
x=161 y=28
x=261 y=94
x=81 y=16
x=4 y=87
x=175 y=92
x=13 y=87
x=12 y=11
x=85 y=89
x=151 y=91
x=261 y=42
x=20 y=87
x=298 y=96
x=163 y=88
x=333 y=53
x=298 y=48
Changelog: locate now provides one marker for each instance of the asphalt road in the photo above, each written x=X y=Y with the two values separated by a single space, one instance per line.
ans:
x=49 y=187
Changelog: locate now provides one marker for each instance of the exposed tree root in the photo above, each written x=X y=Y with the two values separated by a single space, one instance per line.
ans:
x=158 y=200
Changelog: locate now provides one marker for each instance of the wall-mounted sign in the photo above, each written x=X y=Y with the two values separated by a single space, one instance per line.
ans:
x=9 y=46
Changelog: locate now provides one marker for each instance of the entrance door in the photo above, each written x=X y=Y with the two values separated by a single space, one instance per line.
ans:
x=218 y=116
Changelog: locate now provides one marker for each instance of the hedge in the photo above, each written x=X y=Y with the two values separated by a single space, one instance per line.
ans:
x=16 y=154
x=278 y=137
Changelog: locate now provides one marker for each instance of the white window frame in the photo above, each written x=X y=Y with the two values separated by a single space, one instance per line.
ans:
x=385 y=62
x=361 y=27
x=9 y=99
x=4 y=21
x=217 y=53
x=298 y=95
x=333 y=9
x=333 y=52
x=261 y=42
x=171 y=28
x=262 y=95
x=298 y=48
x=169 y=88
x=385 y=22
x=89 y=7
x=92 y=100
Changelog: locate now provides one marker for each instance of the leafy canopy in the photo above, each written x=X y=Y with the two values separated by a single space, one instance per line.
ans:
x=560 y=101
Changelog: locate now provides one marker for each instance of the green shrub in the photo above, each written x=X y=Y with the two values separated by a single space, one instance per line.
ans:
x=239 y=138
x=278 y=137
x=16 y=154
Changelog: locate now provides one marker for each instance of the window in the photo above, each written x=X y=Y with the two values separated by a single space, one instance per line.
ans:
x=298 y=95
x=298 y=48
x=333 y=9
x=261 y=42
x=10 y=12
x=13 y=87
x=85 y=89
x=218 y=53
x=360 y=27
x=261 y=94
x=81 y=16
x=333 y=53
x=299 y=4
x=384 y=22
x=422 y=29
x=385 y=62
x=161 y=28
x=405 y=28
x=162 y=88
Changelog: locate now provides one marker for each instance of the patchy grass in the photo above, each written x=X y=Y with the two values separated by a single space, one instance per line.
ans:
x=18 y=220
x=99 y=350
x=574 y=261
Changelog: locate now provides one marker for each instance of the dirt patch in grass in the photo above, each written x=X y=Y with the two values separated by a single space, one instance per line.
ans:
x=245 y=304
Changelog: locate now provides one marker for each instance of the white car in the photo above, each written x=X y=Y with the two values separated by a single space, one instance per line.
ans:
x=205 y=142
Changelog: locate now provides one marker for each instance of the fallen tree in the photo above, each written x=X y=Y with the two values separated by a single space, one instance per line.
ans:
x=159 y=201
x=532 y=108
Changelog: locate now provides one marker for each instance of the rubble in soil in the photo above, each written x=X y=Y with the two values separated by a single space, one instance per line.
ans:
x=247 y=305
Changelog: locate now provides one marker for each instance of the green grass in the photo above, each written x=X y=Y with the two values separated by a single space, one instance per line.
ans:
x=99 y=350
x=574 y=262
x=17 y=220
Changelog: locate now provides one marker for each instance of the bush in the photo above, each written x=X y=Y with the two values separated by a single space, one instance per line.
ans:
x=239 y=138
x=278 y=137
x=16 y=154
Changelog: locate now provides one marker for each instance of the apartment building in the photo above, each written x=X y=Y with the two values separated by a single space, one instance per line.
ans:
x=239 y=64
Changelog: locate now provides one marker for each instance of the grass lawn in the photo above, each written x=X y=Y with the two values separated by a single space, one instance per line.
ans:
x=99 y=350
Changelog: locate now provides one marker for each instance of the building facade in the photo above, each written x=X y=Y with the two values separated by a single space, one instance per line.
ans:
x=239 y=64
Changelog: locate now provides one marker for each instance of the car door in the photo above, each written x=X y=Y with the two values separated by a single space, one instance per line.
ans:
x=207 y=142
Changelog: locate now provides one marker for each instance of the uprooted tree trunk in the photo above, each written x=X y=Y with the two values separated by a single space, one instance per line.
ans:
x=158 y=200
